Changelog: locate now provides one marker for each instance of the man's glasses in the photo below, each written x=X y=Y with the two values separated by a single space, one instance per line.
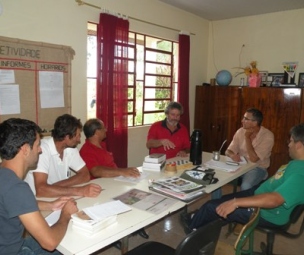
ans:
x=247 y=119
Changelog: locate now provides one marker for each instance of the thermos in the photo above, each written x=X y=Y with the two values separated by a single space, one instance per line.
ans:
x=196 y=147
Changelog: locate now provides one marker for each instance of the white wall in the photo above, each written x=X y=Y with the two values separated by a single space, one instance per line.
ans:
x=269 y=39
x=64 y=22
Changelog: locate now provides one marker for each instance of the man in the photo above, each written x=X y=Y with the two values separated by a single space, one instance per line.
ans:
x=99 y=161
x=253 y=142
x=53 y=178
x=169 y=136
x=276 y=197
x=19 y=151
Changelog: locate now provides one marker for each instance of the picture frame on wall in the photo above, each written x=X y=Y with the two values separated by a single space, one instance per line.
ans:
x=276 y=79
x=301 y=80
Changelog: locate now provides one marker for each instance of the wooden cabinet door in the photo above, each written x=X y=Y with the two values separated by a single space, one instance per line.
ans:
x=281 y=108
x=217 y=114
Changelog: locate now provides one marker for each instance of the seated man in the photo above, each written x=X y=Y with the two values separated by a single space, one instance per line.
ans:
x=276 y=197
x=253 y=142
x=99 y=161
x=169 y=136
x=52 y=177
x=19 y=151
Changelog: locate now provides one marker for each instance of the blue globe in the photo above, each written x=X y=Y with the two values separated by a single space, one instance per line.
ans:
x=223 y=78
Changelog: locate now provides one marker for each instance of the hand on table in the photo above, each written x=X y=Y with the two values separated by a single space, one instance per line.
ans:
x=131 y=172
x=91 y=190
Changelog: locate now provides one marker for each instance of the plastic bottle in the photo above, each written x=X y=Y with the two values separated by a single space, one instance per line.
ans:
x=196 y=147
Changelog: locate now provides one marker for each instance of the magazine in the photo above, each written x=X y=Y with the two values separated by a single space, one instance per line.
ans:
x=178 y=184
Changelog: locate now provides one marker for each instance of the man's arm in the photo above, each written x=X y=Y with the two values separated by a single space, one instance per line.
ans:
x=253 y=157
x=52 y=205
x=106 y=172
x=266 y=200
x=235 y=157
x=43 y=189
x=48 y=237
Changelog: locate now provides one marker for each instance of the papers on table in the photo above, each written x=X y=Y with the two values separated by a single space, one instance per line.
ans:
x=92 y=219
x=221 y=166
x=146 y=201
x=242 y=162
x=142 y=176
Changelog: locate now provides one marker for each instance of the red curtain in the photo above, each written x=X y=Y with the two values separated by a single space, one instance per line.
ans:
x=183 y=77
x=112 y=83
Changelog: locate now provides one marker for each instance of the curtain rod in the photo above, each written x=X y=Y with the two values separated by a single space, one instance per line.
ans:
x=80 y=2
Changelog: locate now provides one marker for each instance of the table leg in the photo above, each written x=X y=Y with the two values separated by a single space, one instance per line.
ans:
x=124 y=244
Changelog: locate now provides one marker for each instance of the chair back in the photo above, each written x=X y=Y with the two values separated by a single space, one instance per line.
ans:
x=201 y=241
x=247 y=232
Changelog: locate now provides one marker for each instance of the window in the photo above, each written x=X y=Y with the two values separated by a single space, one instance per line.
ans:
x=152 y=76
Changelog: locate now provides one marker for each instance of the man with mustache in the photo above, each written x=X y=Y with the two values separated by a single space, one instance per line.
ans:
x=52 y=177
x=169 y=136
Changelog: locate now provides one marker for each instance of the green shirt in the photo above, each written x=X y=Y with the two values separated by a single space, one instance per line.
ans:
x=289 y=183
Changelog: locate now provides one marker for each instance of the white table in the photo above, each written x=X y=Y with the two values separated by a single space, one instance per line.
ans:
x=128 y=223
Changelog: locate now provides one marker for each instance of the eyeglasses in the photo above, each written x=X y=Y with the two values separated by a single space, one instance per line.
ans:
x=247 y=119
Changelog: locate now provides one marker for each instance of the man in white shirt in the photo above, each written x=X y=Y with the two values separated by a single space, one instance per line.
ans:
x=52 y=177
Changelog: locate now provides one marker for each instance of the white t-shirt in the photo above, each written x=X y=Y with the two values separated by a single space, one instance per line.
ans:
x=51 y=163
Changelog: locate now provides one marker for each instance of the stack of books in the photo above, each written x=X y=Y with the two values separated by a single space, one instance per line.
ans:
x=154 y=162
x=91 y=220
x=89 y=227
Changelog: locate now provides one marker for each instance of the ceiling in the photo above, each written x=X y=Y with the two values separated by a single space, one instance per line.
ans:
x=227 y=9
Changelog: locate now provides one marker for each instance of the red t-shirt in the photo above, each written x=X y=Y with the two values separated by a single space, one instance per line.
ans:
x=95 y=156
x=180 y=137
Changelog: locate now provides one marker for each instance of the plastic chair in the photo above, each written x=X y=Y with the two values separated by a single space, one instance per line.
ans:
x=200 y=242
x=267 y=248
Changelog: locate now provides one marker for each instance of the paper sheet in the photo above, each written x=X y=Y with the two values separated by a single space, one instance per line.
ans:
x=221 y=166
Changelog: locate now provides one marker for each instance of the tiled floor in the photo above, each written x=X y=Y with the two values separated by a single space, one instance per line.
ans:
x=169 y=231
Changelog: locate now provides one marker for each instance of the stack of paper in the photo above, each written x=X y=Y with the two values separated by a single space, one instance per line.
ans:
x=92 y=219
x=178 y=187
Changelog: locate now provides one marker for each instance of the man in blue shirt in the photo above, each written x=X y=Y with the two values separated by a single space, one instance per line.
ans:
x=19 y=151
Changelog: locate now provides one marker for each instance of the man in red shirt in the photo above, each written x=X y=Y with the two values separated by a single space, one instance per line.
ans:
x=169 y=136
x=98 y=159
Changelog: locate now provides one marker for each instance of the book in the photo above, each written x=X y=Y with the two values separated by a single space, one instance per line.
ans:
x=156 y=166
x=155 y=158
x=91 y=220
x=86 y=225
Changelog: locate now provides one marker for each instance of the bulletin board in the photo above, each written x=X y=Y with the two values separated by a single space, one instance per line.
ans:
x=35 y=81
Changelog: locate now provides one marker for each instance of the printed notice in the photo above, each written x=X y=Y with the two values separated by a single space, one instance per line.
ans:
x=51 y=89
x=9 y=99
x=7 y=76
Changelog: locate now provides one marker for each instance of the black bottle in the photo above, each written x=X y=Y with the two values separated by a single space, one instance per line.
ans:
x=196 y=147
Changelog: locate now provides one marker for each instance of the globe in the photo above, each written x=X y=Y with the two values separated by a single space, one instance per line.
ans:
x=223 y=78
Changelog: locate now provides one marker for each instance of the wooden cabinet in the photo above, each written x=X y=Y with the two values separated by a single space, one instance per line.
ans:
x=219 y=110
x=217 y=114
